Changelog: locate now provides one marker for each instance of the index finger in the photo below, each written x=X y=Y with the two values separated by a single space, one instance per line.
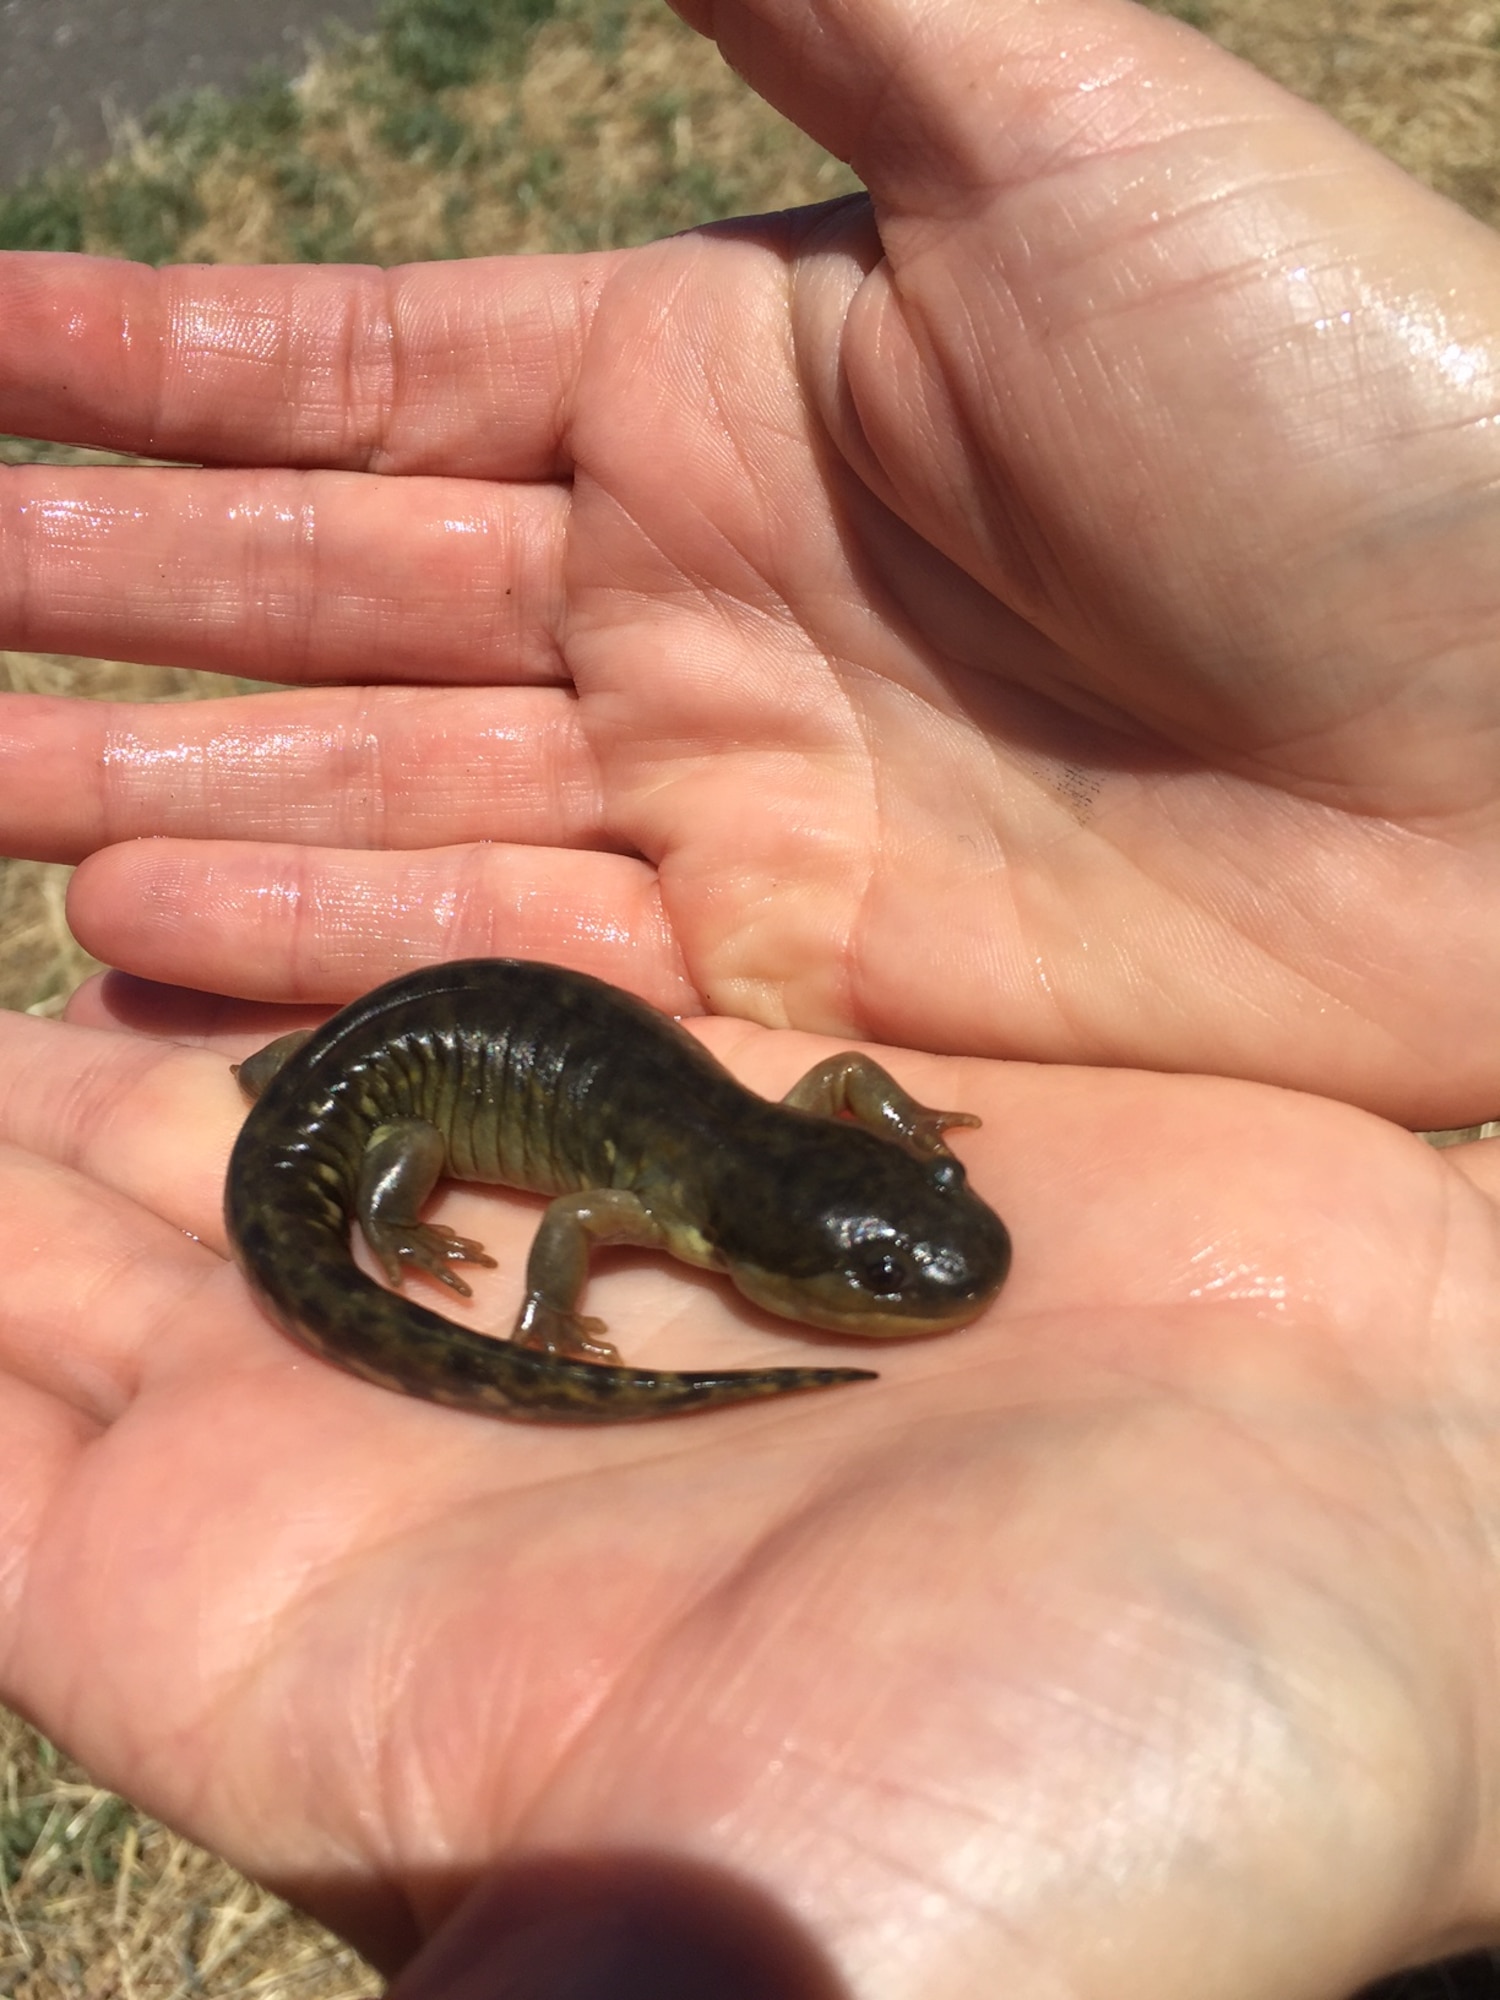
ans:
x=457 y=368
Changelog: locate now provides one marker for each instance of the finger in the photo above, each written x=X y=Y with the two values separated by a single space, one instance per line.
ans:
x=88 y=1306
x=983 y=103
x=1196 y=335
x=311 y=924
x=44 y=1440
x=1479 y=1161
x=393 y=769
x=153 y=1122
x=458 y=368
x=284 y=576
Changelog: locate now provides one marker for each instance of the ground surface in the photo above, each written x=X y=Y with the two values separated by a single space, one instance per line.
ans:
x=71 y=70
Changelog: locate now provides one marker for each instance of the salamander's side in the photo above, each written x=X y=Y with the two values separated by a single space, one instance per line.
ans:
x=503 y=1056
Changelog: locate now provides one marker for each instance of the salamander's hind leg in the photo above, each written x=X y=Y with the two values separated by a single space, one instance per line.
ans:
x=855 y=1084
x=402 y=1165
x=558 y=1268
x=255 y=1072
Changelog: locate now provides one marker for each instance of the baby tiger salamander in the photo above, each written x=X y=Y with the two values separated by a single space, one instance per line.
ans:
x=505 y=1070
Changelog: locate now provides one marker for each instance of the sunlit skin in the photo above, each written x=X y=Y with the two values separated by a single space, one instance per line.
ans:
x=1051 y=615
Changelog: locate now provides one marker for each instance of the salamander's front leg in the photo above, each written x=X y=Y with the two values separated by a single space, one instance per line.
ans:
x=872 y=1096
x=558 y=1269
x=402 y=1165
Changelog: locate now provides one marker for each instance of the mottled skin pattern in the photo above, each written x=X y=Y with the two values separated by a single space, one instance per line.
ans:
x=513 y=1072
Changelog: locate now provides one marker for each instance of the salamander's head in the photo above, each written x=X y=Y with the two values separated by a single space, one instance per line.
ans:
x=877 y=1243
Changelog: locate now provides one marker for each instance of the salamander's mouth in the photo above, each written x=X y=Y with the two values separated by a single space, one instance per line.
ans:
x=835 y=1303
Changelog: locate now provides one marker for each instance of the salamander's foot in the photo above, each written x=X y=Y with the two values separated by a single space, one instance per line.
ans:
x=925 y=1128
x=855 y=1086
x=550 y=1329
x=426 y=1246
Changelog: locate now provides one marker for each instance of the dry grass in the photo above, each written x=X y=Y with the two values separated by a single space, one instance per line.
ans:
x=607 y=124
x=589 y=146
x=98 y=1900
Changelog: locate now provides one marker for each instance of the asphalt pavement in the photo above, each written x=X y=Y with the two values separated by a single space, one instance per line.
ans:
x=71 y=69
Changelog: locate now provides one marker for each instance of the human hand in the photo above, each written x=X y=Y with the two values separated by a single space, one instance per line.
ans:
x=1078 y=559
x=1138 y=1638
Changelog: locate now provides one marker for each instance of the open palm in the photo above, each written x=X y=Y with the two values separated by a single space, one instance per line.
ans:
x=1006 y=561
x=1064 y=1657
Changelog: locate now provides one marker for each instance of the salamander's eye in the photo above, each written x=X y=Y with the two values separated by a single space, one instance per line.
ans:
x=876 y=1270
x=946 y=1175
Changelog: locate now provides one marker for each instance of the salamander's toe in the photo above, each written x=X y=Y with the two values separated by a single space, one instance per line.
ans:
x=431 y=1247
x=551 y=1329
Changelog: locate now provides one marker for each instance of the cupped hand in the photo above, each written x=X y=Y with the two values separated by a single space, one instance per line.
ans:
x=1078 y=557
x=1139 y=1638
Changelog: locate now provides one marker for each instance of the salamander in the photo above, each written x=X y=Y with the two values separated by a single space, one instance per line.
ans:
x=841 y=1206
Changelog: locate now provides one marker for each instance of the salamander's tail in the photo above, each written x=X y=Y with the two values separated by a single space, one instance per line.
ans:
x=504 y=1380
x=437 y=1359
x=320 y=1296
